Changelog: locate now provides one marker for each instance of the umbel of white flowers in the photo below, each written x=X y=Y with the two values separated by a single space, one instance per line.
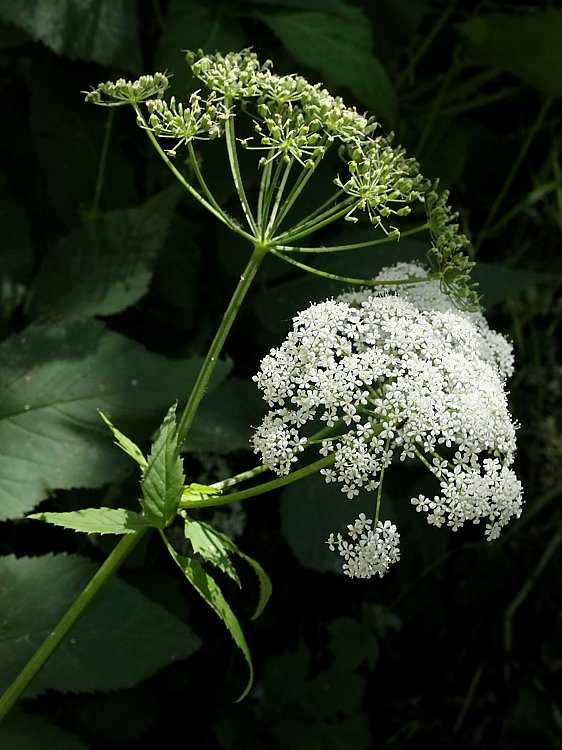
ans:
x=394 y=375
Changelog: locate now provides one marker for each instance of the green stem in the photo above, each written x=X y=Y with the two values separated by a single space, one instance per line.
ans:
x=220 y=337
x=354 y=245
x=113 y=562
x=350 y=279
x=211 y=207
x=309 y=227
x=260 y=489
x=230 y=136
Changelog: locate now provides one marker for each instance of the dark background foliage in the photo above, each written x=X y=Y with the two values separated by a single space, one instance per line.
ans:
x=112 y=282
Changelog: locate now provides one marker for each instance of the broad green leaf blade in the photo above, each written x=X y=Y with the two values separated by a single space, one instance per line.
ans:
x=224 y=424
x=125 y=443
x=121 y=639
x=163 y=478
x=525 y=44
x=21 y=730
x=103 y=31
x=104 y=266
x=350 y=60
x=96 y=520
x=211 y=593
x=54 y=378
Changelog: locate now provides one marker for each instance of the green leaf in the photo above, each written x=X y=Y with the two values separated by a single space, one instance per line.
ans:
x=126 y=444
x=96 y=520
x=496 y=283
x=526 y=44
x=215 y=547
x=121 y=639
x=163 y=478
x=310 y=511
x=104 y=266
x=210 y=544
x=207 y=587
x=340 y=47
x=22 y=730
x=224 y=424
x=54 y=378
x=103 y=31
x=192 y=25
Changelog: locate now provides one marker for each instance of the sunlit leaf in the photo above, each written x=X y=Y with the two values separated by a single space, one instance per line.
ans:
x=163 y=478
x=96 y=520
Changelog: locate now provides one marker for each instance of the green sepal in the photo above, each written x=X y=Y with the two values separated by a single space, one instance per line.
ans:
x=96 y=520
x=163 y=479
x=216 y=547
x=208 y=588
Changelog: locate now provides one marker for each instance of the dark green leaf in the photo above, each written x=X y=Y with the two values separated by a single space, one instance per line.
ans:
x=310 y=511
x=104 y=266
x=53 y=380
x=163 y=478
x=121 y=639
x=104 y=31
x=526 y=44
x=20 y=730
x=340 y=47
x=193 y=25
x=96 y=520
x=224 y=423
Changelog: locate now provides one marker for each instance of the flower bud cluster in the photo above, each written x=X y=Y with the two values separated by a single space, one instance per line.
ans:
x=397 y=376
x=200 y=120
x=116 y=93
x=383 y=180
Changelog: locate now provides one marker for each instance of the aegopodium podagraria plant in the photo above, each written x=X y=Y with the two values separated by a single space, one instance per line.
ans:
x=404 y=368
x=394 y=375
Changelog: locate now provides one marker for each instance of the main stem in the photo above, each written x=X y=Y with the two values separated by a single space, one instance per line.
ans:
x=113 y=562
x=211 y=359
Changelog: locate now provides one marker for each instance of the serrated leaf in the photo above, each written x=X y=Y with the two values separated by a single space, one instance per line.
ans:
x=215 y=547
x=104 y=31
x=96 y=520
x=125 y=443
x=209 y=543
x=351 y=62
x=121 y=639
x=104 y=266
x=53 y=380
x=163 y=478
x=525 y=44
x=207 y=587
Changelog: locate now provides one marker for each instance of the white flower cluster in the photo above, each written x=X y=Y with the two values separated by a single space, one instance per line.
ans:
x=396 y=376
x=373 y=551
